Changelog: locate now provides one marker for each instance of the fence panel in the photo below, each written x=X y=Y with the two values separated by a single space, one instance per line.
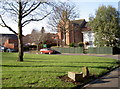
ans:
x=79 y=50
x=66 y=50
x=101 y=50
x=95 y=50
x=69 y=50
x=72 y=50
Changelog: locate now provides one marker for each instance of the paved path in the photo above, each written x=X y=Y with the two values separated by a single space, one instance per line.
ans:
x=109 y=81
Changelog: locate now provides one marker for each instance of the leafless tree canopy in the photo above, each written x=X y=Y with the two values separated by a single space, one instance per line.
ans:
x=62 y=12
x=31 y=10
x=38 y=36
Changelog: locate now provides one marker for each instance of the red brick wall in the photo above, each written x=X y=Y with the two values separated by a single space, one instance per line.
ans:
x=73 y=35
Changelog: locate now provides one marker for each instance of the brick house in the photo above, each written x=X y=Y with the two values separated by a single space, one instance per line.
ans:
x=74 y=31
x=50 y=38
x=9 y=41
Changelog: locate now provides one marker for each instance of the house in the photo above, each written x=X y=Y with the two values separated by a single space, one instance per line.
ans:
x=27 y=39
x=9 y=41
x=77 y=31
x=35 y=38
x=73 y=33
x=88 y=37
x=52 y=38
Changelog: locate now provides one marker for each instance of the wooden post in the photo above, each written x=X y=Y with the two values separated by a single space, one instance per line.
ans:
x=85 y=71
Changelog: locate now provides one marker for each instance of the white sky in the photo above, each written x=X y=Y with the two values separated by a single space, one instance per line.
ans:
x=85 y=7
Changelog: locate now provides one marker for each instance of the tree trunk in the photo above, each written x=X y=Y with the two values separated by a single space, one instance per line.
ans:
x=60 y=42
x=20 y=47
x=20 y=40
x=37 y=47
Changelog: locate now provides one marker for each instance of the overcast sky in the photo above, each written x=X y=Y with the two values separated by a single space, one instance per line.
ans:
x=85 y=8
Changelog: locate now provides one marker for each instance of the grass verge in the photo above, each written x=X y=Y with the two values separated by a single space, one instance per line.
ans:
x=42 y=70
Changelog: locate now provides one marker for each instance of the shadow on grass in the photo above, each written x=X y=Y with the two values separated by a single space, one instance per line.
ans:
x=101 y=67
x=37 y=58
x=69 y=62
x=40 y=71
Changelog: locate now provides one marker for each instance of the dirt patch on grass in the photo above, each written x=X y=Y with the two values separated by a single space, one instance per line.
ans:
x=85 y=80
x=5 y=78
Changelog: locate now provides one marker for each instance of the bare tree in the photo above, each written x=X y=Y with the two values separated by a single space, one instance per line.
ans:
x=39 y=37
x=62 y=14
x=22 y=12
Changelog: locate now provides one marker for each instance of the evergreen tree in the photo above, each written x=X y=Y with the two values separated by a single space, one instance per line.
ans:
x=106 y=27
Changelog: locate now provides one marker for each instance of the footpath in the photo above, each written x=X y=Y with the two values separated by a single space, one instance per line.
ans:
x=109 y=81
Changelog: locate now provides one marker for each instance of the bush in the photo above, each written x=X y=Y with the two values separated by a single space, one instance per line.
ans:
x=71 y=45
x=85 y=51
x=33 y=47
x=26 y=48
x=48 y=45
x=81 y=44
x=116 y=50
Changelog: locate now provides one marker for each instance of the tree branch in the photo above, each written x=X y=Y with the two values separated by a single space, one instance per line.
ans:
x=15 y=8
x=24 y=4
x=25 y=11
x=11 y=7
x=30 y=9
x=5 y=25
x=30 y=20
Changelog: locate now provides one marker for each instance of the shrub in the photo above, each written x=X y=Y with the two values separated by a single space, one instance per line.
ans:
x=85 y=51
x=32 y=46
x=26 y=48
x=71 y=45
x=81 y=44
x=48 y=45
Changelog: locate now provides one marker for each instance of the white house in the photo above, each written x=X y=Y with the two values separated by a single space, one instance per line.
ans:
x=88 y=37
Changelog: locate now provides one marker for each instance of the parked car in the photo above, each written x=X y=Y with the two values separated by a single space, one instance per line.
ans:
x=47 y=50
x=10 y=50
x=3 y=49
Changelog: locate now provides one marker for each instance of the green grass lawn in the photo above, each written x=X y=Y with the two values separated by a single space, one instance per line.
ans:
x=42 y=70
